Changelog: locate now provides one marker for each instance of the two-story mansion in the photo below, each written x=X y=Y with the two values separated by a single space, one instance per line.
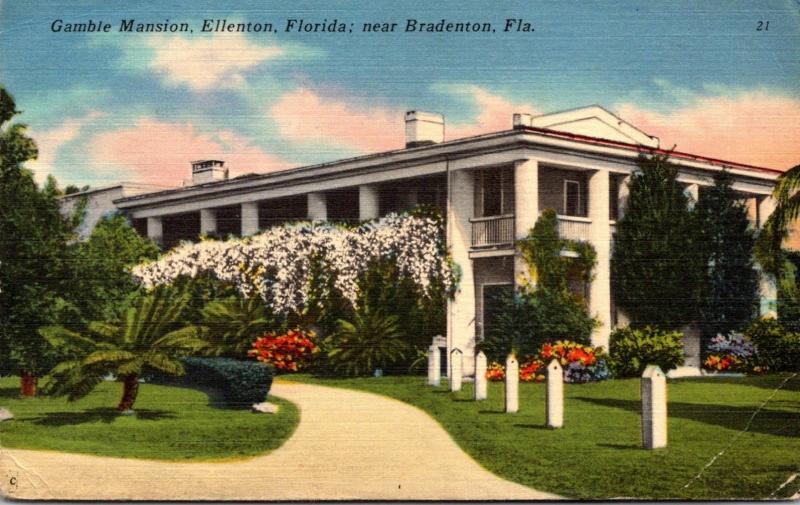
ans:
x=491 y=188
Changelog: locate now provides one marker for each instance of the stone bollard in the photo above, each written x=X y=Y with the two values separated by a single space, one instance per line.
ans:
x=555 y=395
x=434 y=370
x=512 y=383
x=480 y=376
x=654 y=408
x=456 y=369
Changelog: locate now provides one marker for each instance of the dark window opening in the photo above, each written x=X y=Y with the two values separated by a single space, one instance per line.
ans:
x=282 y=210
x=572 y=198
x=180 y=227
x=342 y=205
x=494 y=192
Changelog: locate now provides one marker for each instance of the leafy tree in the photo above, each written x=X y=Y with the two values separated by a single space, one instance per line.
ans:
x=34 y=238
x=730 y=297
x=656 y=265
x=150 y=335
x=549 y=308
x=529 y=317
x=101 y=267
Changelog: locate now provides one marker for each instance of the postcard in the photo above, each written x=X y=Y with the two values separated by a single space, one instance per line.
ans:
x=411 y=251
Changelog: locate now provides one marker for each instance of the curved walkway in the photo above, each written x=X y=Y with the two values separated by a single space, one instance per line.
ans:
x=348 y=445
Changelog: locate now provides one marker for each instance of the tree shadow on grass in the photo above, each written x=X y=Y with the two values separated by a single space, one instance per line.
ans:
x=768 y=421
x=100 y=414
x=9 y=393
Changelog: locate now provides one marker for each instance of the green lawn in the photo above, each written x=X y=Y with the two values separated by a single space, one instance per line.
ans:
x=597 y=454
x=171 y=423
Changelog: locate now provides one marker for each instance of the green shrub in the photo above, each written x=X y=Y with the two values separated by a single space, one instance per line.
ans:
x=631 y=350
x=528 y=318
x=777 y=347
x=241 y=383
x=373 y=340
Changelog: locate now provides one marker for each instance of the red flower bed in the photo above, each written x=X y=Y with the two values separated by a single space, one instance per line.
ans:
x=289 y=351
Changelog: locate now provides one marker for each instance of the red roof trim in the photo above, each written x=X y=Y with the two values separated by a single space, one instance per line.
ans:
x=645 y=149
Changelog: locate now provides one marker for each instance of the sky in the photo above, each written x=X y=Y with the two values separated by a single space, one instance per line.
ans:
x=110 y=107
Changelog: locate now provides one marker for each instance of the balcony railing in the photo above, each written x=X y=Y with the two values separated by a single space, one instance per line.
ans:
x=492 y=231
x=574 y=227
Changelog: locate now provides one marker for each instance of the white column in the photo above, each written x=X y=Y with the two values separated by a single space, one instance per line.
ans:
x=317 y=207
x=368 y=203
x=512 y=384
x=434 y=372
x=767 y=287
x=554 y=410
x=622 y=196
x=693 y=192
x=600 y=238
x=208 y=221
x=456 y=369
x=155 y=229
x=526 y=209
x=480 y=376
x=461 y=309
x=654 y=408
x=249 y=218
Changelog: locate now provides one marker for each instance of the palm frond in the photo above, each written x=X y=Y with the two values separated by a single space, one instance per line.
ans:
x=108 y=355
x=164 y=363
x=104 y=330
x=60 y=337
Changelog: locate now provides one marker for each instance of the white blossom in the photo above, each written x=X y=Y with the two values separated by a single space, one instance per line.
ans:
x=277 y=263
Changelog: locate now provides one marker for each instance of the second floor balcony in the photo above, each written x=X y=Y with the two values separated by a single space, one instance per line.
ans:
x=498 y=231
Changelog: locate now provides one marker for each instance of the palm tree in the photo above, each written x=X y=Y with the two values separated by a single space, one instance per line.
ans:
x=372 y=340
x=233 y=325
x=776 y=228
x=149 y=335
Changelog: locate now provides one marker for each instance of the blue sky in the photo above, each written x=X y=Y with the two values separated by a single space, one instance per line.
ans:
x=126 y=106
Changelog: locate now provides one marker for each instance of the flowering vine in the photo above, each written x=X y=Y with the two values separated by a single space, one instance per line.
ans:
x=277 y=263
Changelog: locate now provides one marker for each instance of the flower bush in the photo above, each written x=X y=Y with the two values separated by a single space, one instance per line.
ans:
x=734 y=352
x=495 y=372
x=290 y=351
x=581 y=363
x=277 y=263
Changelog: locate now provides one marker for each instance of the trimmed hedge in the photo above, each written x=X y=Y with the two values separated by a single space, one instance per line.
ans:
x=241 y=383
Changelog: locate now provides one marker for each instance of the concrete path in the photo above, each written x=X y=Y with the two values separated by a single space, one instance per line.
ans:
x=348 y=445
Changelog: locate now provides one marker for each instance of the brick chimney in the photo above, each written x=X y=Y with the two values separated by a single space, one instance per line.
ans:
x=424 y=128
x=204 y=171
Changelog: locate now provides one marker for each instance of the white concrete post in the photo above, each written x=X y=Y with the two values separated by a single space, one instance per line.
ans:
x=434 y=372
x=767 y=286
x=249 y=218
x=317 y=207
x=461 y=308
x=368 y=202
x=456 y=369
x=155 y=229
x=208 y=221
x=512 y=384
x=555 y=395
x=526 y=209
x=600 y=238
x=654 y=408
x=480 y=376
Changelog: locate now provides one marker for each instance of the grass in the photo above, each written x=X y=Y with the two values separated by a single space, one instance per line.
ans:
x=597 y=454
x=171 y=423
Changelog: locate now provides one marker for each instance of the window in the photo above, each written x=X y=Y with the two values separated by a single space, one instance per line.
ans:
x=613 y=196
x=572 y=198
x=494 y=192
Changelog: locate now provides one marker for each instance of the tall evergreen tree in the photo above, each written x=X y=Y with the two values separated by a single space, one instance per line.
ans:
x=726 y=240
x=34 y=238
x=656 y=266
